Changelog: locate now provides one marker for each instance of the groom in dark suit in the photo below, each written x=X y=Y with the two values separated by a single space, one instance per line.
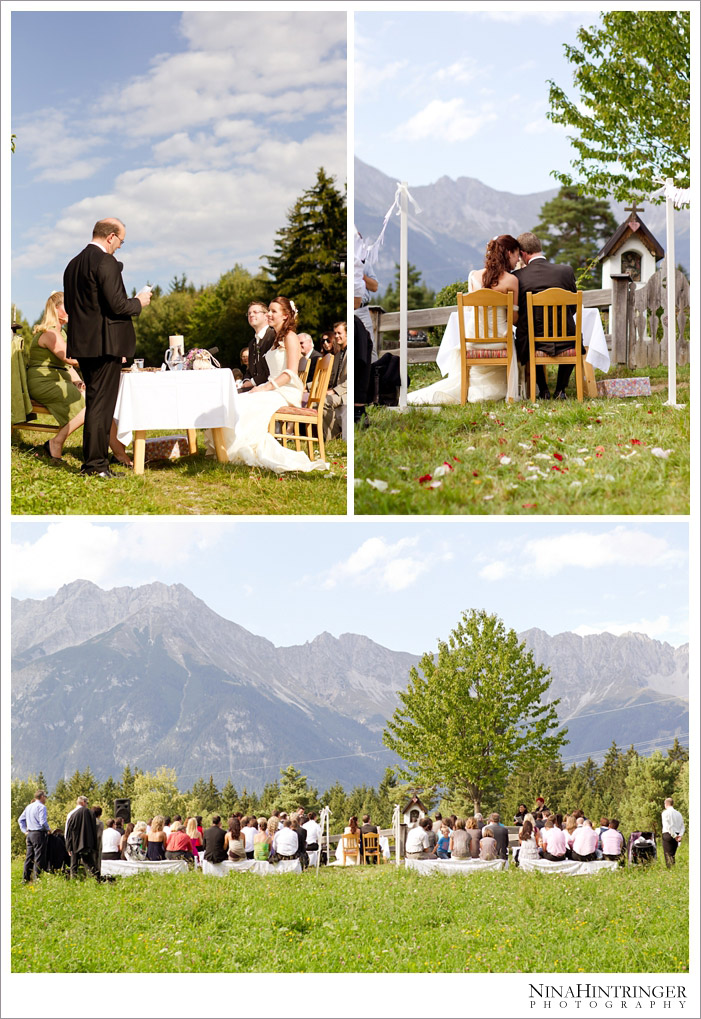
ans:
x=263 y=339
x=538 y=274
x=100 y=333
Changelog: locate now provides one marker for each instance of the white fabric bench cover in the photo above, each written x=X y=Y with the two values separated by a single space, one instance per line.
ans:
x=568 y=867
x=454 y=866
x=128 y=868
x=252 y=866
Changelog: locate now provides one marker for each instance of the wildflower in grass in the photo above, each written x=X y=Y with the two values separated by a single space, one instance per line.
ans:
x=424 y=478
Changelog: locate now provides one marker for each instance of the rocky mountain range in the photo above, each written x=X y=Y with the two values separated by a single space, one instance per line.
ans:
x=151 y=676
x=458 y=217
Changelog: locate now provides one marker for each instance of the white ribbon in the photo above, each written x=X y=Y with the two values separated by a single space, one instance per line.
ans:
x=679 y=196
x=369 y=253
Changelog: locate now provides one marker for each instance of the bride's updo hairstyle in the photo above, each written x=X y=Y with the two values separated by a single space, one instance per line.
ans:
x=290 y=320
x=496 y=260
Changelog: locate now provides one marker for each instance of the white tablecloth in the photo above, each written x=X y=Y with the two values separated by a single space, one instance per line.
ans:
x=128 y=868
x=149 y=401
x=593 y=339
x=454 y=866
x=568 y=867
x=252 y=866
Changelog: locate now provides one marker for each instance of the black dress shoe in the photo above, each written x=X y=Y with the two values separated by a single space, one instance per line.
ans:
x=544 y=394
x=105 y=473
x=560 y=395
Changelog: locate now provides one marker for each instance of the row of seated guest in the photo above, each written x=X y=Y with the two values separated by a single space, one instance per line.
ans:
x=458 y=839
x=572 y=837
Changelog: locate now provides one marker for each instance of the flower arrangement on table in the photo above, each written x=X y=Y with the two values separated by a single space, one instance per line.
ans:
x=198 y=358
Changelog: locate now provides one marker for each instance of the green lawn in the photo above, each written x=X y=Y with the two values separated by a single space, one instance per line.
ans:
x=355 y=920
x=565 y=457
x=194 y=484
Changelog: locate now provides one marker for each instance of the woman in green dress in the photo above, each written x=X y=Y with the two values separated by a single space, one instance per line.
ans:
x=53 y=381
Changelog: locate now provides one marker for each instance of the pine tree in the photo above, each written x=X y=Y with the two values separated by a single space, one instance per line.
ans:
x=648 y=782
x=418 y=294
x=580 y=790
x=295 y=791
x=108 y=792
x=571 y=230
x=335 y=799
x=305 y=252
x=228 y=798
x=126 y=784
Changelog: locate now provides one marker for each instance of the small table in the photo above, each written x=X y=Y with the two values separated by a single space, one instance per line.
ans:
x=175 y=399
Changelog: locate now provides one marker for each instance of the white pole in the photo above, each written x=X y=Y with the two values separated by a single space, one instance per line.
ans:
x=396 y=824
x=324 y=824
x=671 y=301
x=403 y=276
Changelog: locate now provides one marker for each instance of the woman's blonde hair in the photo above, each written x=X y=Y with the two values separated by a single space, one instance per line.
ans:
x=158 y=822
x=191 y=829
x=49 y=319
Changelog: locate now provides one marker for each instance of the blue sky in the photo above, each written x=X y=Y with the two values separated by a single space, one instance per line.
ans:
x=403 y=584
x=199 y=129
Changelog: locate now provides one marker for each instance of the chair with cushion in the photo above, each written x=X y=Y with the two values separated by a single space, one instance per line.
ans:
x=554 y=303
x=371 y=848
x=351 y=845
x=494 y=349
x=311 y=416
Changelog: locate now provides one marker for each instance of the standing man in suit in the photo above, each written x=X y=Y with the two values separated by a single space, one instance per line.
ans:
x=538 y=274
x=263 y=339
x=100 y=334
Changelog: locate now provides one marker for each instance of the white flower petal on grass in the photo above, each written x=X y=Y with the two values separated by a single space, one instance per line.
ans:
x=542 y=456
x=404 y=468
x=575 y=484
x=627 y=456
x=525 y=445
x=381 y=486
x=470 y=449
x=486 y=498
x=663 y=454
x=434 y=484
x=440 y=471
x=609 y=477
x=584 y=449
x=504 y=460
x=578 y=461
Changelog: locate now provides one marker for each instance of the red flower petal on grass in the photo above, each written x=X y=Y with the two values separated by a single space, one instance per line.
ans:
x=449 y=466
x=457 y=459
x=529 y=505
x=475 y=474
x=558 y=456
x=555 y=468
x=425 y=477
x=636 y=442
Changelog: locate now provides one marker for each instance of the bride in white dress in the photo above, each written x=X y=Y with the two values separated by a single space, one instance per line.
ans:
x=486 y=383
x=250 y=442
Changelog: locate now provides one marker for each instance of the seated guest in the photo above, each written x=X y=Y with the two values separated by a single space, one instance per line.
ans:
x=306 y=346
x=528 y=847
x=612 y=841
x=539 y=820
x=99 y=823
x=438 y=822
x=249 y=833
x=213 y=842
x=166 y=825
x=488 y=845
x=235 y=841
x=194 y=835
x=313 y=830
x=474 y=834
x=336 y=396
x=553 y=841
x=417 y=843
x=262 y=841
x=156 y=847
x=273 y=825
x=479 y=822
x=326 y=343
x=110 y=841
x=427 y=825
x=124 y=839
x=459 y=842
x=520 y=815
x=585 y=843
x=500 y=834
x=603 y=825
x=285 y=842
x=135 y=848
x=442 y=849
x=178 y=845
x=570 y=829
x=302 y=841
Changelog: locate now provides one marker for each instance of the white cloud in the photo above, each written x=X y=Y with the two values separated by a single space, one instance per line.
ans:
x=380 y=565
x=444 y=119
x=495 y=571
x=547 y=17
x=660 y=628
x=369 y=77
x=460 y=71
x=621 y=546
x=105 y=554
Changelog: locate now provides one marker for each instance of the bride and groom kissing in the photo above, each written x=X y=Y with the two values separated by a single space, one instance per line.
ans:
x=518 y=266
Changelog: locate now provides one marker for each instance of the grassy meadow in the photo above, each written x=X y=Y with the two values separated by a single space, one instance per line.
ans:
x=548 y=458
x=193 y=484
x=356 y=919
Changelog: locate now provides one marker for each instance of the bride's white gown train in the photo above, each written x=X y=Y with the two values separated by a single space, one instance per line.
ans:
x=250 y=442
x=485 y=383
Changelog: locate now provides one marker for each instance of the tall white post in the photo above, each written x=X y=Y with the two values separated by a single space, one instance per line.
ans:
x=671 y=300
x=396 y=824
x=403 y=279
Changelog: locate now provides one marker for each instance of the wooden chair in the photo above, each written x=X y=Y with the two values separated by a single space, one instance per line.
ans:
x=311 y=416
x=371 y=847
x=303 y=369
x=554 y=303
x=36 y=426
x=485 y=304
x=351 y=846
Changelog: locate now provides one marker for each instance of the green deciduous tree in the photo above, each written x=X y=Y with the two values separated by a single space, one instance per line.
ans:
x=305 y=252
x=571 y=229
x=631 y=118
x=475 y=711
x=219 y=316
x=156 y=793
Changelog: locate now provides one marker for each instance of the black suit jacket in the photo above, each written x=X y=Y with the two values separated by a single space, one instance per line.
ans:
x=501 y=836
x=99 y=311
x=213 y=840
x=535 y=277
x=257 y=365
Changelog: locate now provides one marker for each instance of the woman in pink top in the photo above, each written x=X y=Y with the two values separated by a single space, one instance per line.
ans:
x=612 y=841
x=585 y=842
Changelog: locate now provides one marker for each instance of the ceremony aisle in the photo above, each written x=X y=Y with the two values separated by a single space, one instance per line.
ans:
x=600 y=456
